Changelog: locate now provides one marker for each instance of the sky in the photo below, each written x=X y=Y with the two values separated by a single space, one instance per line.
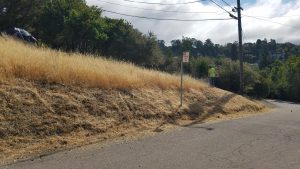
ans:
x=271 y=19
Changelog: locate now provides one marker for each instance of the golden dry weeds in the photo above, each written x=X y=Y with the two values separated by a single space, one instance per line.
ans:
x=42 y=64
x=51 y=100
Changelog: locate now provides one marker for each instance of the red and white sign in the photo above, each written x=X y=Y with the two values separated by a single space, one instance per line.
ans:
x=186 y=57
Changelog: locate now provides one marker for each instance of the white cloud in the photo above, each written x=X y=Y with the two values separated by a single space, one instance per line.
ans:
x=219 y=31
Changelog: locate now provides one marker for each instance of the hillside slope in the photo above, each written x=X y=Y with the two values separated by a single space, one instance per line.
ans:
x=51 y=100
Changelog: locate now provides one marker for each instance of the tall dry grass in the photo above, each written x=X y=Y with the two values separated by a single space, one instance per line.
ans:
x=18 y=60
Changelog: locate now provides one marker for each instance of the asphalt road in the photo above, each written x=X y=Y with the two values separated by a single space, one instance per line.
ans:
x=269 y=141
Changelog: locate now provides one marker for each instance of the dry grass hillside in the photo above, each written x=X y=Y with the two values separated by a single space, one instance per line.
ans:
x=42 y=64
x=51 y=100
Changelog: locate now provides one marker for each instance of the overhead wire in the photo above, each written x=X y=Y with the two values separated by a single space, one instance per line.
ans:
x=158 y=3
x=246 y=53
x=170 y=11
x=274 y=17
x=227 y=4
x=230 y=14
x=244 y=36
x=188 y=20
x=266 y=20
x=167 y=19
x=262 y=18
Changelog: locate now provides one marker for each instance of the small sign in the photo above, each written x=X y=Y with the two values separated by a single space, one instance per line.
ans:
x=186 y=57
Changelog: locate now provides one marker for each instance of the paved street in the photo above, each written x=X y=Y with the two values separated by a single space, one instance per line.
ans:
x=269 y=141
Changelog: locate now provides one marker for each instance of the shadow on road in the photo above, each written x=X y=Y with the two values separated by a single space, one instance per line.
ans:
x=215 y=108
x=202 y=127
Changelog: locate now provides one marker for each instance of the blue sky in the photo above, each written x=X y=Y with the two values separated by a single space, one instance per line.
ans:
x=276 y=19
x=249 y=1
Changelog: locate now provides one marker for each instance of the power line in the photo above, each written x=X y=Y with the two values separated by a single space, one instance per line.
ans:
x=249 y=16
x=230 y=14
x=168 y=19
x=157 y=3
x=244 y=36
x=274 y=17
x=153 y=9
x=227 y=4
x=219 y=6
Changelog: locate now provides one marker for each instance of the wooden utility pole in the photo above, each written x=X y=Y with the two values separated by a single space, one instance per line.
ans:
x=241 y=57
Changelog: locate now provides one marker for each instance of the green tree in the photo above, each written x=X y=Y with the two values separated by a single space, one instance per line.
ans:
x=209 y=48
x=199 y=66
x=20 y=13
x=126 y=43
x=84 y=30
x=63 y=21
x=293 y=77
x=234 y=51
x=153 y=56
x=199 y=48
x=229 y=76
x=176 y=47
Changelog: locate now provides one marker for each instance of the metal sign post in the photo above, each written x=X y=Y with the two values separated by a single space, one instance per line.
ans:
x=185 y=59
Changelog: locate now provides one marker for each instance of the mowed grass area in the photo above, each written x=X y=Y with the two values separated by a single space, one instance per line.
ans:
x=32 y=63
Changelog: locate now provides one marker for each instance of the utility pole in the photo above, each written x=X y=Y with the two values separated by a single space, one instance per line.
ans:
x=241 y=57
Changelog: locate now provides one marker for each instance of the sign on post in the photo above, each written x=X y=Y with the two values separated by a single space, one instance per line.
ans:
x=186 y=57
